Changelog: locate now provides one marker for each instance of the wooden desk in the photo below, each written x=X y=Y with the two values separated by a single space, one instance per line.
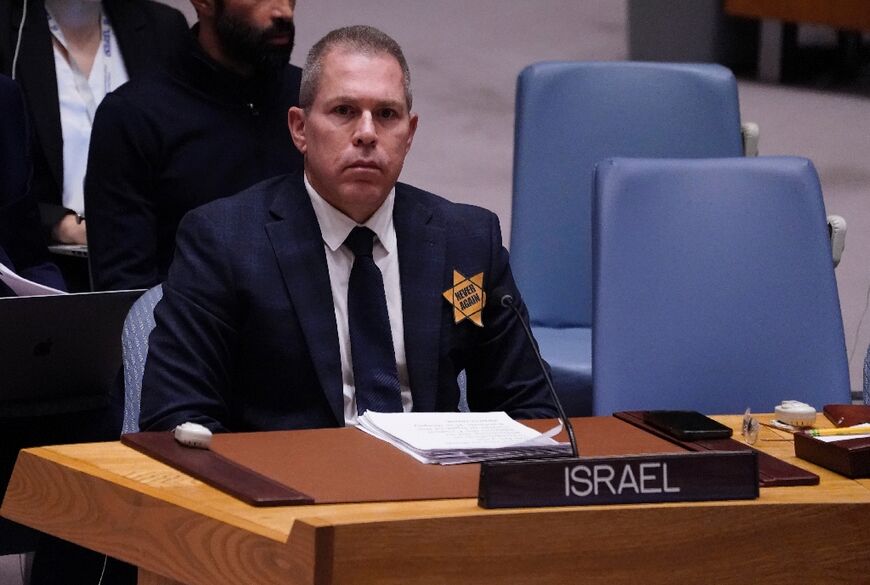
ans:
x=110 y=498
x=848 y=15
x=844 y=14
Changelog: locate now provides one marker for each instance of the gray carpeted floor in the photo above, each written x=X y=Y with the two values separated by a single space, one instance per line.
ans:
x=12 y=569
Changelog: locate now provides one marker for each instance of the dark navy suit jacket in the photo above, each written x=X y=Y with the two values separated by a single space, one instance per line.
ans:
x=246 y=336
x=22 y=247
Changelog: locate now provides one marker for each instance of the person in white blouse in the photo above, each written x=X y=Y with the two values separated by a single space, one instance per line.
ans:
x=88 y=65
x=67 y=55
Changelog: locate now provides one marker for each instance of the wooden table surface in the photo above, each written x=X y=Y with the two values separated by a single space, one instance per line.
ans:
x=844 y=14
x=177 y=530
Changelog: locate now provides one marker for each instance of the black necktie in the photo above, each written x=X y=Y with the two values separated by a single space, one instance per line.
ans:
x=376 y=380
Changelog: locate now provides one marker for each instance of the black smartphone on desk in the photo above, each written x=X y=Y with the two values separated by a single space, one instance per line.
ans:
x=686 y=425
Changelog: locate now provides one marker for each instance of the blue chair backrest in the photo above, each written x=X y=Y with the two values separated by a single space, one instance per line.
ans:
x=134 y=346
x=714 y=287
x=569 y=116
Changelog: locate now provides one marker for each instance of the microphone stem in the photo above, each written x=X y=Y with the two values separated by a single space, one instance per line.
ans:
x=565 y=422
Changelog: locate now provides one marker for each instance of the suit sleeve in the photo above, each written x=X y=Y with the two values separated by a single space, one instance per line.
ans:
x=503 y=372
x=191 y=349
x=120 y=203
x=20 y=232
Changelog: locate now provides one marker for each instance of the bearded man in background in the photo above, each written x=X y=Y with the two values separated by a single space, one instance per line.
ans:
x=212 y=126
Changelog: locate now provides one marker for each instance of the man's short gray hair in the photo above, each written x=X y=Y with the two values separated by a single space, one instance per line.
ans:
x=357 y=39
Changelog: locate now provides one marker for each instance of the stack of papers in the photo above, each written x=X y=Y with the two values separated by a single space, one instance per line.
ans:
x=448 y=438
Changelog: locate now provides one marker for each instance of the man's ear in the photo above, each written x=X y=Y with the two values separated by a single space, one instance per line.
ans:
x=296 y=123
x=412 y=123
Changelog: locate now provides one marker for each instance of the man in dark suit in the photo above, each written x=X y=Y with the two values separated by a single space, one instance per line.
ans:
x=265 y=321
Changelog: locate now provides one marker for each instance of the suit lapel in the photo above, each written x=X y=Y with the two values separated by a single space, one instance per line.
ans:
x=130 y=26
x=36 y=74
x=421 y=270
x=298 y=246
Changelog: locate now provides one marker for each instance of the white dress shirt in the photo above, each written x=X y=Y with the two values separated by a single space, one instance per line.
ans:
x=335 y=227
x=79 y=98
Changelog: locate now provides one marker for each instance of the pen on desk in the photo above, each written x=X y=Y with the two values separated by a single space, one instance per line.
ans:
x=777 y=424
x=859 y=430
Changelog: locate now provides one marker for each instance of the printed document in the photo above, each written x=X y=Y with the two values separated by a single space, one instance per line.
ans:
x=23 y=287
x=461 y=437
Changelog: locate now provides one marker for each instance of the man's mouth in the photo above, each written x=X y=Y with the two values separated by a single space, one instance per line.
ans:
x=278 y=39
x=364 y=165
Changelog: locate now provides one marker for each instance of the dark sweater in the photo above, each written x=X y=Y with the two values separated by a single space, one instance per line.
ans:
x=167 y=143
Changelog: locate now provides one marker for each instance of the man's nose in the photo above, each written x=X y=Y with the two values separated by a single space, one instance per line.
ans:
x=365 y=134
x=282 y=9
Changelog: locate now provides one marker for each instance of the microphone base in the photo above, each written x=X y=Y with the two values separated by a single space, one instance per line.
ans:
x=632 y=479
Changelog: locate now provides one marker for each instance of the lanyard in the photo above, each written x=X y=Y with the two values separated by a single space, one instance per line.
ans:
x=81 y=82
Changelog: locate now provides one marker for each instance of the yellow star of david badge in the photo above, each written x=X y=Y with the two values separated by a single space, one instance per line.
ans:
x=467 y=297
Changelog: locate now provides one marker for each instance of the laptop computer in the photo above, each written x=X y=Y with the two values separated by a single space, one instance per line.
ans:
x=78 y=250
x=60 y=353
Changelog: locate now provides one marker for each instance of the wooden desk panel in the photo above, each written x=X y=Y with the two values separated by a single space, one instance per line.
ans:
x=115 y=500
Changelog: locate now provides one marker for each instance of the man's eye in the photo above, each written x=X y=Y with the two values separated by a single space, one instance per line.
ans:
x=389 y=114
x=342 y=110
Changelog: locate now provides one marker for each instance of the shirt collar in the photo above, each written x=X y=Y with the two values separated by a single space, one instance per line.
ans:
x=336 y=226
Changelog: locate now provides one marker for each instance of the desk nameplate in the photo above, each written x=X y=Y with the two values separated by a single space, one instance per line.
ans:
x=632 y=479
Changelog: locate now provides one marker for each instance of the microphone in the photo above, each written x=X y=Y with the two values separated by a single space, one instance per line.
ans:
x=574 y=481
x=505 y=299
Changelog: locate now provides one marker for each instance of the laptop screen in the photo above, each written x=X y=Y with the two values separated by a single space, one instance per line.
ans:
x=60 y=353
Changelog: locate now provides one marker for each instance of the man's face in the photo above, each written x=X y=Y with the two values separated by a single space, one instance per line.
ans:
x=259 y=33
x=357 y=131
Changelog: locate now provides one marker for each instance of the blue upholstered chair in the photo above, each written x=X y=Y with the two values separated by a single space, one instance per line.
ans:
x=134 y=344
x=569 y=116
x=714 y=287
